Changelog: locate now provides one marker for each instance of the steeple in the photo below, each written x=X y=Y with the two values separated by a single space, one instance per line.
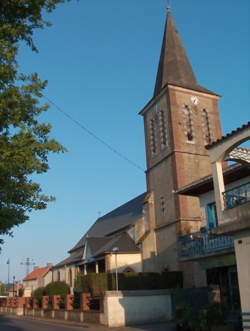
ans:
x=174 y=66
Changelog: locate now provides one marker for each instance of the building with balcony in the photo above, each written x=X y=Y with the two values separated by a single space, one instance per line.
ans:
x=233 y=207
x=220 y=248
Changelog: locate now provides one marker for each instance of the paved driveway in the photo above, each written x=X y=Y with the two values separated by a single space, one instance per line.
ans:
x=13 y=323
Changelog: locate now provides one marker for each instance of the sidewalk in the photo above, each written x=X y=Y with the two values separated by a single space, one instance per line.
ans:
x=164 y=326
x=167 y=326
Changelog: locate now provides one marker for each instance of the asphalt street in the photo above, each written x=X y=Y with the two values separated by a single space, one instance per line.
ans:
x=13 y=323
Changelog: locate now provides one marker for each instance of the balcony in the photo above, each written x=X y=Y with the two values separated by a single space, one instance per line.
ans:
x=237 y=196
x=202 y=244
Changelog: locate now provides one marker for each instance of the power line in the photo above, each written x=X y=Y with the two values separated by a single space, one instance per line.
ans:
x=28 y=262
x=91 y=133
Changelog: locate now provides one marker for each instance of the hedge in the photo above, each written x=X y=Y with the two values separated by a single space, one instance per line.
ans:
x=56 y=288
x=39 y=293
x=97 y=284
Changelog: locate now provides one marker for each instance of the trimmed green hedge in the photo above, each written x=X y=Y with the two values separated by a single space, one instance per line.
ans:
x=39 y=293
x=97 y=284
x=56 y=288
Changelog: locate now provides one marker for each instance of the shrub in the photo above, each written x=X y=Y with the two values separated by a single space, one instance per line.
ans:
x=57 y=288
x=93 y=283
x=38 y=294
x=97 y=284
x=62 y=302
x=20 y=292
x=192 y=319
x=50 y=303
x=77 y=300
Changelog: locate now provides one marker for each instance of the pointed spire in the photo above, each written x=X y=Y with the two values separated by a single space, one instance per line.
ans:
x=174 y=66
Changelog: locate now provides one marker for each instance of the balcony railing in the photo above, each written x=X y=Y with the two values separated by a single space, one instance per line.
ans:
x=237 y=196
x=200 y=244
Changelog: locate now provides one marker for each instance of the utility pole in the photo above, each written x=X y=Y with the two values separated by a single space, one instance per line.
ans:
x=28 y=262
x=8 y=262
x=13 y=286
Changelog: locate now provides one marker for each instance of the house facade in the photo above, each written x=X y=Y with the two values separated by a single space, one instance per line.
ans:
x=220 y=247
x=39 y=277
x=233 y=205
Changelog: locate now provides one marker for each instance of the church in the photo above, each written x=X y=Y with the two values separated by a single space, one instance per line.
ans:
x=143 y=234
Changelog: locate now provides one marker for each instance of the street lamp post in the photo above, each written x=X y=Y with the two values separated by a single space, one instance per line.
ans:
x=13 y=286
x=116 y=250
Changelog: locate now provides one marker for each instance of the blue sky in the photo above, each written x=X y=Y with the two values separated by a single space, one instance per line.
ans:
x=100 y=58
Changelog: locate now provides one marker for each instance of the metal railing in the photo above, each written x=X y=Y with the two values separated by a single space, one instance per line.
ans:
x=245 y=319
x=202 y=243
x=237 y=196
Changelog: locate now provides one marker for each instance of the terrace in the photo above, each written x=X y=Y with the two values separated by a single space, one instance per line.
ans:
x=202 y=244
x=237 y=196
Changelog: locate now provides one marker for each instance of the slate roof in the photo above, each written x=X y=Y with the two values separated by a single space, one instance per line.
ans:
x=100 y=233
x=37 y=273
x=123 y=242
x=74 y=257
x=174 y=66
x=114 y=221
x=96 y=244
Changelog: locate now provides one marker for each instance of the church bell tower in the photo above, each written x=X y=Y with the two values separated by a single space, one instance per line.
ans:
x=179 y=121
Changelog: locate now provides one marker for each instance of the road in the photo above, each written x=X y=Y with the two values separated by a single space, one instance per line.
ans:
x=13 y=323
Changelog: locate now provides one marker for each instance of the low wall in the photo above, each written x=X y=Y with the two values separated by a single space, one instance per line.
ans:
x=8 y=310
x=75 y=316
x=135 y=307
x=119 y=308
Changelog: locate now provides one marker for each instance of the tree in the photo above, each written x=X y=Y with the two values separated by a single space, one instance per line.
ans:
x=24 y=141
x=2 y=289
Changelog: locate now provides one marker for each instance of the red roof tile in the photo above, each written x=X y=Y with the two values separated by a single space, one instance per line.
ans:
x=11 y=289
x=37 y=273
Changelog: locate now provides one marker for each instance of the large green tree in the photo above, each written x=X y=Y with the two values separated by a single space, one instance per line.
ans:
x=24 y=141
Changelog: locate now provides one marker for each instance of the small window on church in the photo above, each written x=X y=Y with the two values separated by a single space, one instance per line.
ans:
x=146 y=218
x=163 y=129
x=206 y=127
x=188 y=123
x=163 y=206
x=153 y=138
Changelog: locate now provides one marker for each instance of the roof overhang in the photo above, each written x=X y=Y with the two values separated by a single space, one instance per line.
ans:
x=205 y=184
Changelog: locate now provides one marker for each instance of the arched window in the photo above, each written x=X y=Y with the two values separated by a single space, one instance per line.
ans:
x=128 y=269
x=152 y=136
x=163 y=129
x=163 y=206
x=206 y=127
x=188 y=123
